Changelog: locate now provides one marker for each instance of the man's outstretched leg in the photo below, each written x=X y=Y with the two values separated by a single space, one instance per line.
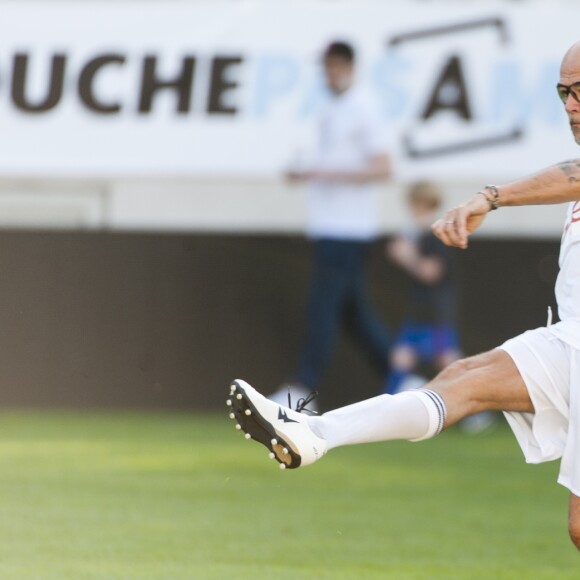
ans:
x=487 y=382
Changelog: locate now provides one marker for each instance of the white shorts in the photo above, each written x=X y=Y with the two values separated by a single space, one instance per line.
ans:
x=551 y=370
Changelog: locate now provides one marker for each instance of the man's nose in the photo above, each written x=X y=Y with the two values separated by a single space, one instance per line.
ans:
x=571 y=104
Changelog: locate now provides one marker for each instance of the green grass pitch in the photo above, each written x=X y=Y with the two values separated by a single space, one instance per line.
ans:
x=176 y=496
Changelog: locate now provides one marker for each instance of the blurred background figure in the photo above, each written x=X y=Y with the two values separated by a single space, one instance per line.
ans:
x=343 y=219
x=428 y=336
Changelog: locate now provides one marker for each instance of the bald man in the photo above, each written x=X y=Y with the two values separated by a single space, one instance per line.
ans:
x=533 y=378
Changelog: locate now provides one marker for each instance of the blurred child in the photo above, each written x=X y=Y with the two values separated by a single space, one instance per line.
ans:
x=428 y=333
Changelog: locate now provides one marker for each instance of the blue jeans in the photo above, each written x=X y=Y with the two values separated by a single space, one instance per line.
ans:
x=338 y=294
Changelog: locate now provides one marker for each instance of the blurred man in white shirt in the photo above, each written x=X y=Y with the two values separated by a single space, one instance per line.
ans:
x=343 y=219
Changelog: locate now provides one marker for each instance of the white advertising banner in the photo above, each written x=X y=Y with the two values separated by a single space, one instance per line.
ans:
x=105 y=89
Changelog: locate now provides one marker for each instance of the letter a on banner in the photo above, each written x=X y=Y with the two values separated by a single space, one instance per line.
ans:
x=450 y=92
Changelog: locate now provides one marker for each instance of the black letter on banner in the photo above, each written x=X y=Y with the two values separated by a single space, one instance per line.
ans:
x=219 y=85
x=87 y=78
x=450 y=92
x=150 y=84
x=54 y=90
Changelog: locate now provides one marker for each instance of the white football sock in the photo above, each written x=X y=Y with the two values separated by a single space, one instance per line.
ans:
x=412 y=415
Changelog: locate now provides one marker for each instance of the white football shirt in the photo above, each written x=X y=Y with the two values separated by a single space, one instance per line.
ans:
x=350 y=133
x=568 y=282
x=551 y=370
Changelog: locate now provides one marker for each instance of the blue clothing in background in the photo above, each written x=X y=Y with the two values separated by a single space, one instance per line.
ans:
x=429 y=324
x=338 y=294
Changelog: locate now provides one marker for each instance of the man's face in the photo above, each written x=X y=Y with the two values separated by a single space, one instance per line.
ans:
x=338 y=72
x=570 y=74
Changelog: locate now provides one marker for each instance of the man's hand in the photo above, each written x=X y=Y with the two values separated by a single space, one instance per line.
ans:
x=298 y=176
x=458 y=223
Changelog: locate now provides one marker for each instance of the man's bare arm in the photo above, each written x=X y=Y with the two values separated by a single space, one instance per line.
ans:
x=379 y=168
x=557 y=184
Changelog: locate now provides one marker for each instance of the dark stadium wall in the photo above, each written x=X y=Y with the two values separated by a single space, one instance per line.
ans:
x=166 y=321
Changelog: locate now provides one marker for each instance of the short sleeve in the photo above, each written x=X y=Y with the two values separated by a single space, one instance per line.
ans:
x=375 y=139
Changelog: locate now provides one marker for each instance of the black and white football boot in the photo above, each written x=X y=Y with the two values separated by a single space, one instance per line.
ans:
x=284 y=432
